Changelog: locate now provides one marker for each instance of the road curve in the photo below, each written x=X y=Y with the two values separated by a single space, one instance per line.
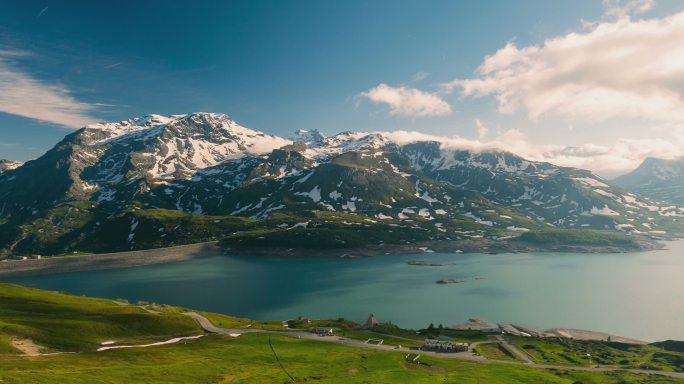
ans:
x=515 y=351
x=207 y=325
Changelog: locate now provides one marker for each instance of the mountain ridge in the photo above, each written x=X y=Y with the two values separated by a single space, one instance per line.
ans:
x=657 y=178
x=111 y=182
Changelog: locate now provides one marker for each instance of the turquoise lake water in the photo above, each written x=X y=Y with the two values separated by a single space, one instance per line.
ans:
x=639 y=295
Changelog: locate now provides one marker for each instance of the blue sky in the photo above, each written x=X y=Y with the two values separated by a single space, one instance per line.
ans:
x=278 y=66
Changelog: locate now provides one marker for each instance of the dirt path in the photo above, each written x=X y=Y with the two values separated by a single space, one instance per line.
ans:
x=26 y=346
x=31 y=349
x=171 y=341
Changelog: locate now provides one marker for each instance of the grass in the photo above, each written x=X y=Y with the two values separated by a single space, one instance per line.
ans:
x=57 y=230
x=577 y=237
x=569 y=352
x=157 y=228
x=340 y=230
x=249 y=359
x=334 y=323
x=495 y=351
x=225 y=321
x=387 y=339
x=6 y=346
x=81 y=227
x=65 y=322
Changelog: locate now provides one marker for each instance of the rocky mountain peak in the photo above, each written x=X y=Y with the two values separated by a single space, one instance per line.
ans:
x=310 y=137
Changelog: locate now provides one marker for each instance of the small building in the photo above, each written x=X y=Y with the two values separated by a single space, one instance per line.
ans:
x=444 y=346
x=322 y=331
x=370 y=323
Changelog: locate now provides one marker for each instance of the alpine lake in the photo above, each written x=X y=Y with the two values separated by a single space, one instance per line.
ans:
x=637 y=295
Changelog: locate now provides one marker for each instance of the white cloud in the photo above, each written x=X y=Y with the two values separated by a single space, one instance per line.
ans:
x=23 y=95
x=409 y=102
x=623 y=68
x=420 y=76
x=610 y=160
x=625 y=8
x=482 y=129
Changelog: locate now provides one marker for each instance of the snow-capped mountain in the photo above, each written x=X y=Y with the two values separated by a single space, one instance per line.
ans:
x=657 y=178
x=169 y=148
x=126 y=178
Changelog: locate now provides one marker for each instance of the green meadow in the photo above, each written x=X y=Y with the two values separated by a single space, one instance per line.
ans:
x=60 y=322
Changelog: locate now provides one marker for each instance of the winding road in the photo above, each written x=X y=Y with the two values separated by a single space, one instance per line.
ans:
x=469 y=355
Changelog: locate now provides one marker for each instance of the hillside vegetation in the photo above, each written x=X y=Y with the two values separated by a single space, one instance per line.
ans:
x=60 y=322
x=159 y=181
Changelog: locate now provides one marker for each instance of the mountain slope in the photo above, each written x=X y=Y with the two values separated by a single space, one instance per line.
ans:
x=657 y=178
x=116 y=186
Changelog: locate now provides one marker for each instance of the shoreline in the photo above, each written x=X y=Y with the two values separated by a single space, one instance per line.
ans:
x=517 y=329
x=100 y=261
x=127 y=259
x=456 y=246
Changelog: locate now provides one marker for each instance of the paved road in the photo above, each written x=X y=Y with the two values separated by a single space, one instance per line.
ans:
x=472 y=346
x=515 y=351
x=469 y=356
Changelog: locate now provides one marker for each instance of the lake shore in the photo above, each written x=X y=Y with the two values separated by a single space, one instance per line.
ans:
x=457 y=246
x=620 y=293
x=98 y=261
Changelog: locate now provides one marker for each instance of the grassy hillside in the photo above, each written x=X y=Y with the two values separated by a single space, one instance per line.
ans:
x=587 y=237
x=585 y=353
x=73 y=228
x=64 y=322
x=249 y=359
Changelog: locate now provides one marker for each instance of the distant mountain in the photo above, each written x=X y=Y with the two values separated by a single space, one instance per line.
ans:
x=656 y=178
x=164 y=180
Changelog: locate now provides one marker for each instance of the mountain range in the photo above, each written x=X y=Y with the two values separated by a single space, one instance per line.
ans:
x=165 y=180
x=657 y=178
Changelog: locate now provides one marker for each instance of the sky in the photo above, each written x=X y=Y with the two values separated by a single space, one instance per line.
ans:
x=596 y=84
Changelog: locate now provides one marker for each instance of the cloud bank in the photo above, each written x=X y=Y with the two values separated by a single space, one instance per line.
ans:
x=407 y=102
x=606 y=160
x=623 y=68
x=23 y=95
x=625 y=8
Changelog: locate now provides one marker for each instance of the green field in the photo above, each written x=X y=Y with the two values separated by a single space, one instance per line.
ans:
x=495 y=351
x=249 y=359
x=61 y=323
x=588 y=237
x=560 y=351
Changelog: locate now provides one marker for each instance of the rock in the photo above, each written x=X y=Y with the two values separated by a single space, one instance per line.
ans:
x=424 y=263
